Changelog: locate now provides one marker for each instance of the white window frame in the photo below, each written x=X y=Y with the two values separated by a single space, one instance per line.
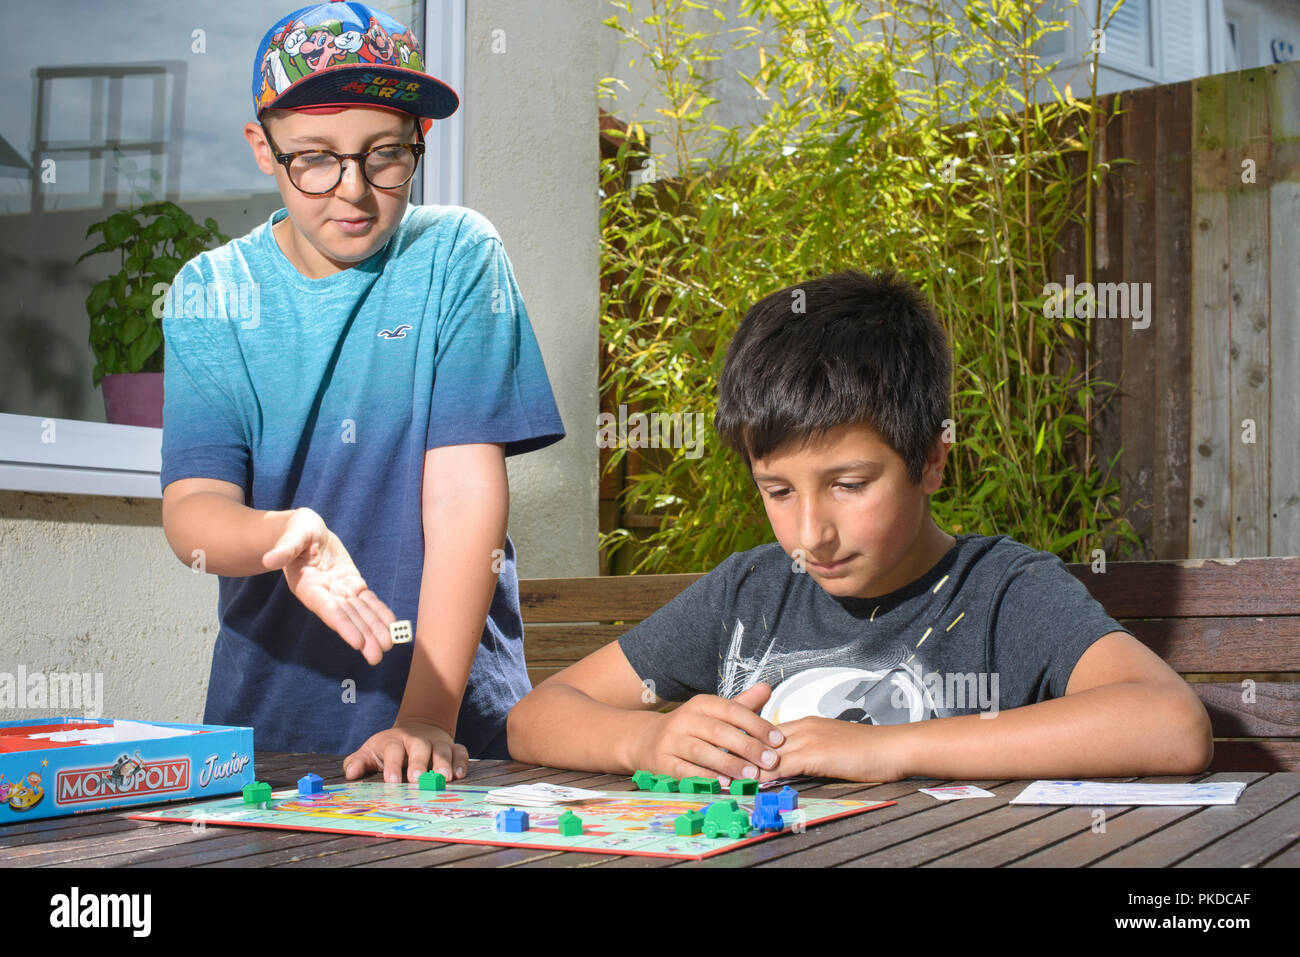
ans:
x=1218 y=36
x=99 y=458
x=444 y=57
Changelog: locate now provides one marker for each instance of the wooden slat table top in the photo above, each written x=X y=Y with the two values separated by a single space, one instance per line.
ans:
x=1262 y=829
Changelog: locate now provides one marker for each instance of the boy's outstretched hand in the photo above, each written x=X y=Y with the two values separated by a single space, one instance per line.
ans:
x=322 y=575
x=691 y=739
x=420 y=745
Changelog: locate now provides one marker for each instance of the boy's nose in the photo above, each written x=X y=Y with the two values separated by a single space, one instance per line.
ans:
x=816 y=529
x=353 y=182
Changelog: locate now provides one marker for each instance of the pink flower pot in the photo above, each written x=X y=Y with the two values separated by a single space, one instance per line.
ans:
x=134 y=398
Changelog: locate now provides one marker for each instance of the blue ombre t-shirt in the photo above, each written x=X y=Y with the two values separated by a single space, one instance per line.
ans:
x=326 y=393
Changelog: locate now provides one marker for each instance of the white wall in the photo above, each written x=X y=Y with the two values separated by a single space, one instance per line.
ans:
x=532 y=155
x=1259 y=23
x=1190 y=39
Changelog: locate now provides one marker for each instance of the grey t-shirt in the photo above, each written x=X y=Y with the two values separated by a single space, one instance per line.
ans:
x=994 y=625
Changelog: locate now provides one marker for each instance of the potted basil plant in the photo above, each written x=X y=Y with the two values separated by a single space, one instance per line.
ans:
x=153 y=241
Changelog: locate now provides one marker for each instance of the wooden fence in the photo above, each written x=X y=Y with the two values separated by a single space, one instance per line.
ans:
x=1207 y=212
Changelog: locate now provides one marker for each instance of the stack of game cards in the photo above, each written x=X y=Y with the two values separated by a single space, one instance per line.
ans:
x=541 y=795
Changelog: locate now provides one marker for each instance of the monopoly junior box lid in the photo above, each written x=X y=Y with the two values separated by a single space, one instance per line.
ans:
x=66 y=765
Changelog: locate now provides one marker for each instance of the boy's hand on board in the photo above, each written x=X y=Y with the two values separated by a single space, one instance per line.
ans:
x=322 y=575
x=818 y=747
x=691 y=739
x=418 y=744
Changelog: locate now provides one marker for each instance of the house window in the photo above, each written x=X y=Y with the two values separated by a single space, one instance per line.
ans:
x=93 y=122
x=1128 y=35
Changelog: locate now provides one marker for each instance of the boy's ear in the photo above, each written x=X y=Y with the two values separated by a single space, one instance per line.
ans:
x=932 y=474
x=261 y=148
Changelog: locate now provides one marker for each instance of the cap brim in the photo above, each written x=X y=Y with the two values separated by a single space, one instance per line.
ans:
x=406 y=91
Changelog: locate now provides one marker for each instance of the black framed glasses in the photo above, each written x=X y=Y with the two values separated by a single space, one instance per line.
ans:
x=316 y=172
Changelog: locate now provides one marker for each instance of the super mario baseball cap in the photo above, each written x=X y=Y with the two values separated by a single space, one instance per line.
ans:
x=330 y=56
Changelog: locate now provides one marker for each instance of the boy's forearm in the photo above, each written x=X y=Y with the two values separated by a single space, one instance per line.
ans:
x=560 y=726
x=229 y=538
x=456 y=592
x=1111 y=731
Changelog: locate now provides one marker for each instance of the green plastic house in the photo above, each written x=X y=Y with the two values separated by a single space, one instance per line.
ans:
x=688 y=824
x=433 y=781
x=257 y=793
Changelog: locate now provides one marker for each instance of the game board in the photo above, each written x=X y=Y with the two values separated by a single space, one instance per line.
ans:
x=624 y=822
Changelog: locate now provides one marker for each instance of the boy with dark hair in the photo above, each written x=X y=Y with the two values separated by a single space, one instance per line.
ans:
x=338 y=458
x=868 y=644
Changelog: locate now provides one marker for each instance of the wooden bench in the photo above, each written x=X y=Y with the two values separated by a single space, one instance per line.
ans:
x=1231 y=627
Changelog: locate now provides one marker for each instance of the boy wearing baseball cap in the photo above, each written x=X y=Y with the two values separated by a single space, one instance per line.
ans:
x=338 y=456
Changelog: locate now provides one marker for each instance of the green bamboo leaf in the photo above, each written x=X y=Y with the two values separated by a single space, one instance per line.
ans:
x=1065 y=541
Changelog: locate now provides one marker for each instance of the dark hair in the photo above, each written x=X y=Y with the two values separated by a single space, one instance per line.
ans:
x=864 y=348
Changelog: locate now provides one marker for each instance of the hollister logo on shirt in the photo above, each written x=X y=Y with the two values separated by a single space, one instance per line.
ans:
x=398 y=333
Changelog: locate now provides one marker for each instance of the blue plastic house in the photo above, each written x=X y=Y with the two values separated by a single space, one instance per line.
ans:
x=512 y=821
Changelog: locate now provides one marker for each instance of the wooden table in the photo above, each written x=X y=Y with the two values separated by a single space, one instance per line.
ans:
x=1261 y=830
